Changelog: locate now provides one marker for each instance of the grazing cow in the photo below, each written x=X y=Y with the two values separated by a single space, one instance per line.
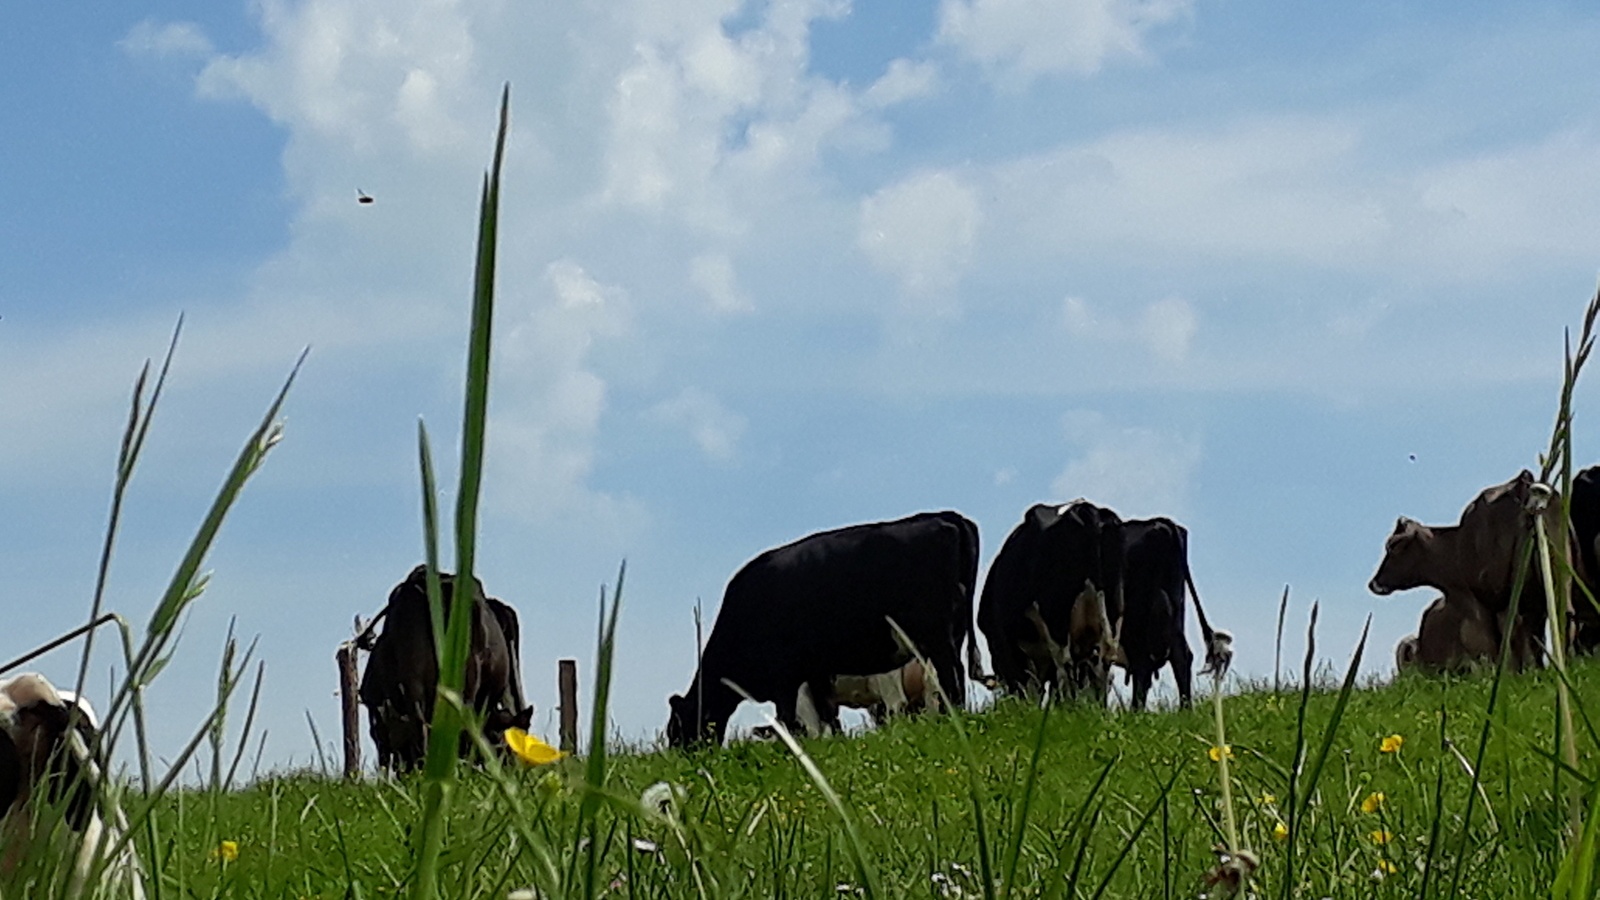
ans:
x=402 y=674
x=1057 y=556
x=1155 y=575
x=809 y=611
x=885 y=694
x=1475 y=562
x=47 y=738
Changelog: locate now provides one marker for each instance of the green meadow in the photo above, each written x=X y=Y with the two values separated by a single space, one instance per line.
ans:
x=1123 y=805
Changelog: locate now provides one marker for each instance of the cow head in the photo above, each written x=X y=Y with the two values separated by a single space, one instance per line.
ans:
x=1407 y=559
x=1093 y=644
x=42 y=753
x=688 y=725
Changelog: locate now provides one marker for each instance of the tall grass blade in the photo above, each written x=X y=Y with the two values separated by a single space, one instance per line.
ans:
x=133 y=436
x=444 y=736
x=595 y=765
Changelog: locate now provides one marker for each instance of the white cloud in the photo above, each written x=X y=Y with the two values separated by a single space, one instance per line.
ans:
x=1019 y=40
x=904 y=80
x=714 y=428
x=166 y=40
x=548 y=399
x=364 y=75
x=713 y=273
x=1139 y=472
x=1165 y=328
x=921 y=230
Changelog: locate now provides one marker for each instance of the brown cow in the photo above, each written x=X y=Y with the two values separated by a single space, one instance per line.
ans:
x=1474 y=563
x=1455 y=633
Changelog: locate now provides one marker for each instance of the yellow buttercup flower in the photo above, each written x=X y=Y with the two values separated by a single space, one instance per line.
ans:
x=227 y=851
x=1386 y=867
x=1381 y=837
x=1280 y=832
x=1267 y=799
x=1391 y=744
x=1373 y=802
x=530 y=749
x=1216 y=753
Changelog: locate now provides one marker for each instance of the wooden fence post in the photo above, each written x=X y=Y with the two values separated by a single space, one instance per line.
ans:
x=349 y=704
x=568 y=684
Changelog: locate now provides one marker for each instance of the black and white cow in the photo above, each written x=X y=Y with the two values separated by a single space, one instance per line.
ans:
x=809 y=611
x=47 y=738
x=1055 y=556
x=402 y=673
x=1155 y=575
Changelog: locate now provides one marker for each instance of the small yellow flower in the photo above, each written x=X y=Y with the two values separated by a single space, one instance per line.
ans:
x=1391 y=744
x=1373 y=802
x=1280 y=832
x=1381 y=837
x=1387 y=867
x=227 y=851
x=1266 y=800
x=1216 y=753
x=530 y=749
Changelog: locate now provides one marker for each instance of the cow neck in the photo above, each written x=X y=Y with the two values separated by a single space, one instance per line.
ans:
x=714 y=706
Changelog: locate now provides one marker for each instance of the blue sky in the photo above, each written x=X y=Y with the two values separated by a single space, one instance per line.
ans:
x=769 y=269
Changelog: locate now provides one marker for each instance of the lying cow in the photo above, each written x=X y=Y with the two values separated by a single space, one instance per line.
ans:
x=46 y=763
x=820 y=607
x=1030 y=608
x=1474 y=563
x=402 y=674
x=1452 y=637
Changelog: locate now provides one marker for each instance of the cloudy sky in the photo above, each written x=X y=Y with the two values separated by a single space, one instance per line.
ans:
x=1282 y=273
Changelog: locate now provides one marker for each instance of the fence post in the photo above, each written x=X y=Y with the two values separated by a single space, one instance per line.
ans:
x=348 y=703
x=568 y=684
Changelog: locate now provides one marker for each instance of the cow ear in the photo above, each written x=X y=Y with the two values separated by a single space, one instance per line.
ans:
x=1400 y=525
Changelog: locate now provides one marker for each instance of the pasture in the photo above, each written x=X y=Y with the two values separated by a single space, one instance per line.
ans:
x=1124 y=805
x=1441 y=786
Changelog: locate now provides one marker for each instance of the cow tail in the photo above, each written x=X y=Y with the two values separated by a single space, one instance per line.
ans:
x=1219 y=644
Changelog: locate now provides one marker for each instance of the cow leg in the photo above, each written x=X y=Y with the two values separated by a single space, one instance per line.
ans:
x=1142 y=677
x=1182 y=662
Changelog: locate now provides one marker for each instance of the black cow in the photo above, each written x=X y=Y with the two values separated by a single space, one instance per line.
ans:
x=1155 y=574
x=806 y=612
x=1057 y=554
x=402 y=674
x=1585 y=520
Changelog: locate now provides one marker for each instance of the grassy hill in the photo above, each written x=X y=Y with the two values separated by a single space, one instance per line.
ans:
x=1123 y=805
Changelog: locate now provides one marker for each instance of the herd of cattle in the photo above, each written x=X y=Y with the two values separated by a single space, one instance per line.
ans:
x=878 y=615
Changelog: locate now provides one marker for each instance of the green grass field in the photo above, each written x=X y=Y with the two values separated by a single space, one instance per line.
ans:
x=751 y=823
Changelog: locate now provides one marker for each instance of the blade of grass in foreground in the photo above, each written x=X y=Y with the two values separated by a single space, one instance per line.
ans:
x=595 y=766
x=444 y=736
x=1303 y=783
x=865 y=869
